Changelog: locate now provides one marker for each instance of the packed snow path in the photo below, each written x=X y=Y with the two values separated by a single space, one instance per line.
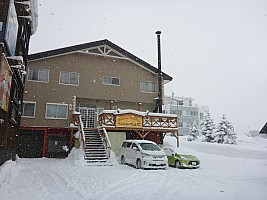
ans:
x=222 y=175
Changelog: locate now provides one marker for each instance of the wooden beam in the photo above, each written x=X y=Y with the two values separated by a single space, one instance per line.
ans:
x=176 y=135
x=142 y=136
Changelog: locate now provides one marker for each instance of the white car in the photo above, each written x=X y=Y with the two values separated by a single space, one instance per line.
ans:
x=143 y=154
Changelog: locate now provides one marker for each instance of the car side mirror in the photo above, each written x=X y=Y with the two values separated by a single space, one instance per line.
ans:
x=135 y=148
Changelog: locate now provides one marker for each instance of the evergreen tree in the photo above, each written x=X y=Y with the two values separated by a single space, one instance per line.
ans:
x=193 y=132
x=207 y=129
x=225 y=132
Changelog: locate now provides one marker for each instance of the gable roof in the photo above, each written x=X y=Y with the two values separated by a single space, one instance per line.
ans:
x=91 y=45
x=264 y=129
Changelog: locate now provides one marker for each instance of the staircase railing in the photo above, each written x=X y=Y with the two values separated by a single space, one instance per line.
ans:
x=81 y=129
x=106 y=141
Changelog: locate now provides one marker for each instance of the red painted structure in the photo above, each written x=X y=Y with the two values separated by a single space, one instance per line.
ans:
x=47 y=133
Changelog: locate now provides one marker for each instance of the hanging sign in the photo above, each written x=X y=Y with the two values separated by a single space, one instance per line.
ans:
x=5 y=83
x=12 y=27
x=129 y=121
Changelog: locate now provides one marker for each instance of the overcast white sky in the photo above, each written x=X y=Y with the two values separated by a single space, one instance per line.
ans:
x=216 y=51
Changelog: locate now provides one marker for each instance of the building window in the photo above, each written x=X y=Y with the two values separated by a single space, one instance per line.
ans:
x=40 y=75
x=69 y=78
x=180 y=102
x=107 y=80
x=28 y=109
x=201 y=116
x=56 y=111
x=194 y=113
x=190 y=102
x=147 y=86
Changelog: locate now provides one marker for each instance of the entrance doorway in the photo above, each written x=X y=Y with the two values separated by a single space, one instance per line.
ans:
x=56 y=144
x=31 y=143
x=88 y=116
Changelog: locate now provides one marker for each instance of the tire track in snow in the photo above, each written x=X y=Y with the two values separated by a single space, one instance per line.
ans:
x=116 y=190
x=65 y=186
x=164 y=183
x=49 y=181
x=38 y=181
x=136 y=186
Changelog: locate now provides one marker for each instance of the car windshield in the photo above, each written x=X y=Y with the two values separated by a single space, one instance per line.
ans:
x=149 y=147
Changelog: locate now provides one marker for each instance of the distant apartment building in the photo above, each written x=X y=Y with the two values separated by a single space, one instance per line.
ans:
x=186 y=110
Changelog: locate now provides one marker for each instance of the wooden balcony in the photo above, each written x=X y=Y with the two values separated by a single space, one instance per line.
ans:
x=136 y=120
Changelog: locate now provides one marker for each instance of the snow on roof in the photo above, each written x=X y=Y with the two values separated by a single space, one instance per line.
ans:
x=127 y=111
x=86 y=46
x=76 y=113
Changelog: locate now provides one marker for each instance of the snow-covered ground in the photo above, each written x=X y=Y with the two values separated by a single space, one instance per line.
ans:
x=227 y=171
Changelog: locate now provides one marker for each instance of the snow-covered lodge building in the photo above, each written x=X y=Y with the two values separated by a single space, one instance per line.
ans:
x=186 y=110
x=86 y=78
x=18 y=21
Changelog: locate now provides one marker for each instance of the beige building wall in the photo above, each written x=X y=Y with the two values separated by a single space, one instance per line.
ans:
x=116 y=139
x=91 y=68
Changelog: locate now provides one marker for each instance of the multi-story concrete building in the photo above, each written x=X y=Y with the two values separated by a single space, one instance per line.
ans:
x=87 y=78
x=18 y=21
x=186 y=110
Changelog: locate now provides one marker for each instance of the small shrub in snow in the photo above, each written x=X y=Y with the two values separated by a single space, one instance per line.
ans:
x=225 y=132
x=193 y=132
x=207 y=129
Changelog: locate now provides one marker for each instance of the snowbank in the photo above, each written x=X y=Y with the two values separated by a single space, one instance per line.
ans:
x=226 y=172
x=8 y=171
x=75 y=157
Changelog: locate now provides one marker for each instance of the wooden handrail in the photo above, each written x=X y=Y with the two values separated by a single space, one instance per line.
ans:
x=106 y=141
x=82 y=136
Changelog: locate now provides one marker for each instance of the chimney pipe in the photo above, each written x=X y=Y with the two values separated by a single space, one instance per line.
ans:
x=159 y=100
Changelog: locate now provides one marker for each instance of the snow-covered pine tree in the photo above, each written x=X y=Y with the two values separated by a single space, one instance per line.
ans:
x=225 y=132
x=193 y=132
x=207 y=129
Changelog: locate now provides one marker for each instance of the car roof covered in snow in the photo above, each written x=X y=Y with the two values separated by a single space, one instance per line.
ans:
x=140 y=141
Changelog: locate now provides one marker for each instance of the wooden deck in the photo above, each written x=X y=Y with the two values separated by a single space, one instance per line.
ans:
x=143 y=123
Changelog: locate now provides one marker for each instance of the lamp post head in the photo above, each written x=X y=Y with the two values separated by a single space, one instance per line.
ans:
x=158 y=32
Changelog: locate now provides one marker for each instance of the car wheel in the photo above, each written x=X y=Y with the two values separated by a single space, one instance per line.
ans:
x=138 y=164
x=177 y=164
x=122 y=160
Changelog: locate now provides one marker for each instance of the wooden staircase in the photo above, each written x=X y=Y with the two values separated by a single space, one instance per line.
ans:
x=95 y=150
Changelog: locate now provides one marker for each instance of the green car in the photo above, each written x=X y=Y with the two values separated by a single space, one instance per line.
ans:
x=181 y=161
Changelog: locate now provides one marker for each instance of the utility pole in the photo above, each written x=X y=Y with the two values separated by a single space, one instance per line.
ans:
x=159 y=99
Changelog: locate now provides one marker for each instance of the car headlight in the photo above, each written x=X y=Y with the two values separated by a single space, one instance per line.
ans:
x=145 y=154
